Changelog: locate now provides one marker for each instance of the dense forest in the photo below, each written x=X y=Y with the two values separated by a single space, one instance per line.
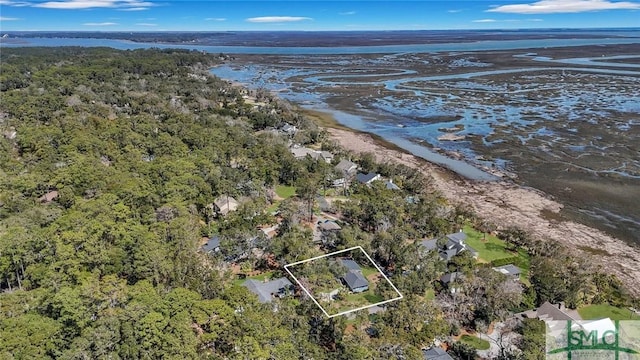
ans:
x=110 y=161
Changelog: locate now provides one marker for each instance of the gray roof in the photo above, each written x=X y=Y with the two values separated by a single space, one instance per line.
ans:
x=366 y=178
x=431 y=244
x=212 y=244
x=509 y=269
x=448 y=254
x=449 y=277
x=550 y=311
x=265 y=290
x=354 y=280
x=350 y=264
x=329 y=225
x=436 y=353
x=346 y=166
x=457 y=237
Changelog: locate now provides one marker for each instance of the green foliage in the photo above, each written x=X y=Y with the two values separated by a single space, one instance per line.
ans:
x=475 y=342
x=600 y=311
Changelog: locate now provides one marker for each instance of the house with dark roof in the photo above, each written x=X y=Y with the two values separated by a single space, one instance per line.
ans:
x=448 y=280
x=328 y=225
x=436 y=353
x=455 y=245
x=211 y=245
x=510 y=270
x=367 y=179
x=269 y=290
x=355 y=281
x=350 y=265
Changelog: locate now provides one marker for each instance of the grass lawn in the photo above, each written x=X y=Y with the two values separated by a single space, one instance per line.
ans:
x=265 y=275
x=366 y=271
x=493 y=248
x=600 y=311
x=475 y=342
x=285 y=192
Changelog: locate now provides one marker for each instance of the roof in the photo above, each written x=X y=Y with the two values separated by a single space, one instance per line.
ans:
x=449 y=277
x=436 y=353
x=431 y=244
x=366 y=178
x=226 y=203
x=391 y=186
x=550 y=311
x=354 y=280
x=350 y=264
x=329 y=225
x=346 y=166
x=300 y=152
x=448 y=254
x=265 y=290
x=212 y=244
x=509 y=269
x=457 y=237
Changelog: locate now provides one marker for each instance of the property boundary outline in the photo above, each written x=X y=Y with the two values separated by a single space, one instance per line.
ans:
x=400 y=296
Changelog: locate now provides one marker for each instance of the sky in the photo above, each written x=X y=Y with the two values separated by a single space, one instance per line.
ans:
x=305 y=15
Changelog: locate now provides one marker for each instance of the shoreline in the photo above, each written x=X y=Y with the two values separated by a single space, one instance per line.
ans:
x=527 y=208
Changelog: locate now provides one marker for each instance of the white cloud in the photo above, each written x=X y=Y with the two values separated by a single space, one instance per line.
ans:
x=2 y=18
x=484 y=21
x=454 y=11
x=141 y=8
x=347 y=13
x=277 y=19
x=565 y=6
x=146 y=24
x=216 y=19
x=100 y=24
x=14 y=3
x=126 y=5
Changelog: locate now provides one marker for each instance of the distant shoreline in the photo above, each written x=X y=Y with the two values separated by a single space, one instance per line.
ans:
x=511 y=204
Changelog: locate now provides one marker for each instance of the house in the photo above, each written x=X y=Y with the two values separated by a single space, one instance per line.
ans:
x=347 y=168
x=224 y=205
x=301 y=152
x=390 y=185
x=350 y=265
x=289 y=129
x=355 y=281
x=267 y=290
x=328 y=225
x=448 y=278
x=367 y=178
x=436 y=353
x=510 y=270
x=428 y=245
x=211 y=245
x=555 y=316
x=455 y=245
x=48 y=197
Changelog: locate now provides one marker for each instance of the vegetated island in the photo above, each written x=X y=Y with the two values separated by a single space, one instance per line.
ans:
x=148 y=208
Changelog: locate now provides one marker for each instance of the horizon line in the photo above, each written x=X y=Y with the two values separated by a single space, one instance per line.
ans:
x=320 y=31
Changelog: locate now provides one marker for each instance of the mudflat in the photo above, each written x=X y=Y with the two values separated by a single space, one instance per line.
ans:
x=565 y=121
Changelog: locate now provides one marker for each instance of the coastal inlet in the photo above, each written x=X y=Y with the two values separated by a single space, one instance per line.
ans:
x=559 y=119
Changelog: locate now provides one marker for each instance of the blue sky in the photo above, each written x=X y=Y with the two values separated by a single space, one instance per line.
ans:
x=235 y=15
